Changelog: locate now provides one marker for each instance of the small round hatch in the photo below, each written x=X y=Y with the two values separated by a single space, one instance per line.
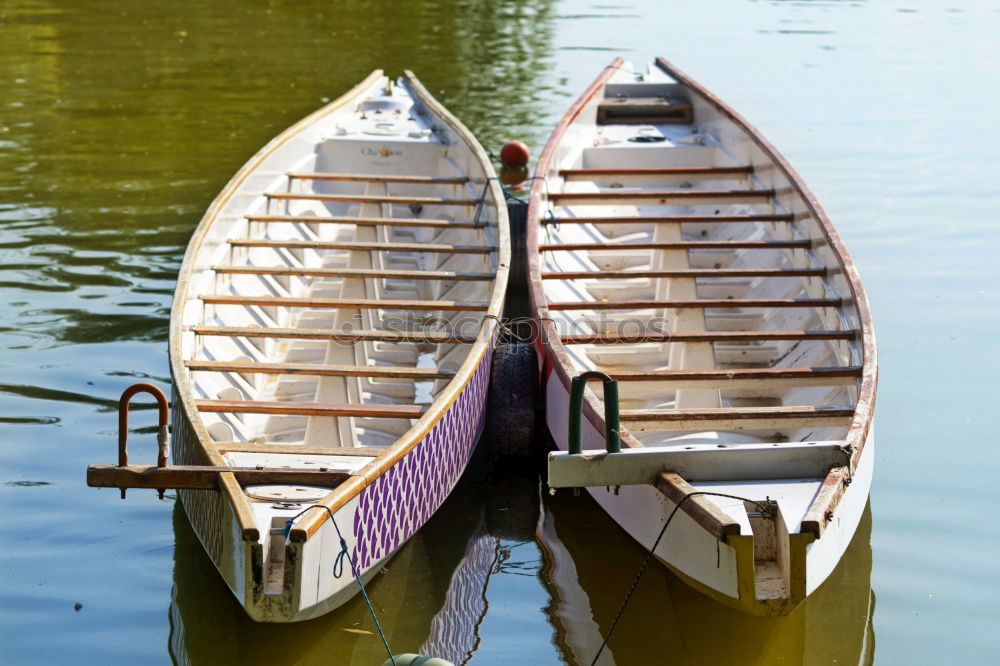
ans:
x=276 y=493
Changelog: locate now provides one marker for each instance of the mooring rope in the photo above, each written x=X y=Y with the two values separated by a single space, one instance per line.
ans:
x=338 y=569
x=649 y=556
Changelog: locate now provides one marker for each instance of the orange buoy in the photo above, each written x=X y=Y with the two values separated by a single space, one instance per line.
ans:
x=515 y=154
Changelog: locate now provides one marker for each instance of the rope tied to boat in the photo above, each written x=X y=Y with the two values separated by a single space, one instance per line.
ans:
x=338 y=569
x=761 y=506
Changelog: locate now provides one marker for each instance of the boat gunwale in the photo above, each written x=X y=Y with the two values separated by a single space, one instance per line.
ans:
x=815 y=518
x=182 y=380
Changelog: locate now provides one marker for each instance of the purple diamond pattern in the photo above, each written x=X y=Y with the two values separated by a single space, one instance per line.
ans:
x=400 y=501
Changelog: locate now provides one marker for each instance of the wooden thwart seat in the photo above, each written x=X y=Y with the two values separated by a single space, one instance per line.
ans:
x=704 y=336
x=353 y=273
x=735 y=419
x=326 y=334
x=310 y=408
x=683 y=196
x=381 y=178
x=681 y=245
x=346 y=303
x=370 y=221
x=198 y=477
x=671 y=219
x=687 y=273
x=367 y=198
x=315 y=369
x=680 y=172
x=356 y=245
x=297 y=449
x=700 y=303
x=745 y=377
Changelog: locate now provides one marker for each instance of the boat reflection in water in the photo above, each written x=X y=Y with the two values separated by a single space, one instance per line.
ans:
x=469 y=585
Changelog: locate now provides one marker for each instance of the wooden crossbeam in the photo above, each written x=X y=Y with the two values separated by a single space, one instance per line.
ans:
x=204 y=477
x=370 y=221
x=326 y=334
x=704 y=336
x=298 y=449
x=687 y=273
x=746 y=377
x=736 y=419
x=359 y=303
x=690 y=173
x=381 y=178
x=319 y=370
x=681 y=245
x=310 y=408
x=700 y=303
x=660 y=197
x=668 y=219
x=367 y=198
x=359 y=246
x=353 y=273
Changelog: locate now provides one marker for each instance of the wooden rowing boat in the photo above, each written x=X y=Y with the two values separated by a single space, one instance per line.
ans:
x=674 y=250
x=330 y=344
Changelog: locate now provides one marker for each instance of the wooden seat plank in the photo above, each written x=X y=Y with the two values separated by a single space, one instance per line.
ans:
x=370 y=221
x=687 y=273
x=681 y=245
x=326 y=334
x=745 y=377
x=353 y=273
x=659 y=197
x=367 y=198
x=704 y=336
x=725 y=418
x=671 y=219
x=205 y=477
x=681 y=172
x=700 y=303
x=359 y=246
x=380 y=178
x=298 y=449
x=316 y=369
x=310 y=408
x=362 y=304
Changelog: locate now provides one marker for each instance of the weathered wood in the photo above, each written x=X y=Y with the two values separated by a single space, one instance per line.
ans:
x=686 y=273
x=298 y=449
x=381 y=178
x=714 y=173
x=659 y=197
x=745 y=377
x=204 y=477
x=286 y=408
x=315 y=369
x=681 y=245
x=370 y=221
x=325 y=334
x=354 y=273
x=704 y=336
x=723 y=418
x=359 y=303
x=700 y=508
x=358 y=246
x=667 y=219
x=700 y=303
x=366 y=198
x=643 y=111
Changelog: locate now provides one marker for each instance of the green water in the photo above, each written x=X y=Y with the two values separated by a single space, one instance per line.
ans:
x=119 y=122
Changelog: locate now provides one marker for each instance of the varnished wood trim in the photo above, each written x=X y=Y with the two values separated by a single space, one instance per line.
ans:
x=701 y=509
x=381 y=178
x=353 y=273
x=298 y=449
x=204 y=477
x=326 y=334
x=365 y=198
x=722 y=417
x=359 y=246
x=833 y=375
x=592 y=174
x=700 y=303
x=315 y=369
x=310 y=408
x=347 y=303
x=624 y=196
x=686 y=273
x=667 y=219
x=680 y=245
x=704 y=336
x=369 y=221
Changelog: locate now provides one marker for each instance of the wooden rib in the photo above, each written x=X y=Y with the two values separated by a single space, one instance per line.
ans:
x=705 y=336
x=681 y=245
x=687 y=273
x=303 y=449
x=367 y=198
x=673 y=219
x=729 y=419
x=325 y=334
x=354 y=273
x=205 y=477
x=695 y=172
x=382 y=178
x=310 y=408
x=692 y=196
x=700 y=303
x=745 y=377
x=315 y=369
x=355 y=245
x=359 y=303
x=370 y=221
x=702 y=510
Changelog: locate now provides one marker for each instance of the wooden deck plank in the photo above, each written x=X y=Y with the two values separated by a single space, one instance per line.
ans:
x=370 y=221
x=310 y=408
x=379 y=178
x=668 y=219
x=705 y=336
x=346 y=303
x=687 y=273
x=326 y=334
x=681 y=245
x=319 y=370
x=353 y=273
x=367 y=198
x=360 y=246
x=204 y=477
x=700 y=303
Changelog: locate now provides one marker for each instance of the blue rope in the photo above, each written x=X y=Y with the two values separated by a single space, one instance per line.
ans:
x=338 y=569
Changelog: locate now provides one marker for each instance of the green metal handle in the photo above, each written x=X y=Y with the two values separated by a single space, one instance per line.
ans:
x=612 y=440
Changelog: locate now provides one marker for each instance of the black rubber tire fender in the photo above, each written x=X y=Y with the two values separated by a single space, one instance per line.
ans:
x=513 y=400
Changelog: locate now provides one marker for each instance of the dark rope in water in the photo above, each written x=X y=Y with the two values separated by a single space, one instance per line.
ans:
x=338 y=569
x=649 y=556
